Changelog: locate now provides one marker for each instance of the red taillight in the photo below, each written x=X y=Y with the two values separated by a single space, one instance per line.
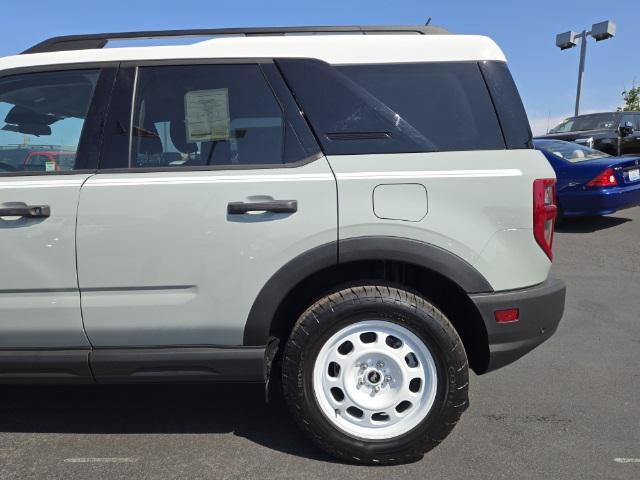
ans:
x=605 y=179
x=507 y=316
x=544 y=213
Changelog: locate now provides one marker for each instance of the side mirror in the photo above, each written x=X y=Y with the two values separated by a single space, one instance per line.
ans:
x=625 y=129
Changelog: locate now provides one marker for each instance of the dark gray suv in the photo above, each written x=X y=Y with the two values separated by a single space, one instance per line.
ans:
x=615 y=133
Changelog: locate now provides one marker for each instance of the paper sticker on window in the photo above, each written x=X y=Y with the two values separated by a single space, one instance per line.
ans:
x=207 y=115
x=50 y=166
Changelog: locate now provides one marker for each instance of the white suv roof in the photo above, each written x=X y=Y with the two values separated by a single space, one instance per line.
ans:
x=331 y=47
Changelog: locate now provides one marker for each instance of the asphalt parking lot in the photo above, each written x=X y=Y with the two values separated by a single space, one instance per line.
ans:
x=568 y=410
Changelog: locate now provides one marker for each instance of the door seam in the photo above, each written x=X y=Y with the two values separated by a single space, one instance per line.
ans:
x=84 y=330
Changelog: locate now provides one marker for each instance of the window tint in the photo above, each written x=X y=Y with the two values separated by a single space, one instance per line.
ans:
x=208 y=115
x=396 y=107
x=593 y=121
x=41 y=119
x=447 y=103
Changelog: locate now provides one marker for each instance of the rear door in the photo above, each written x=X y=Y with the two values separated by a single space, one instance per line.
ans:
x=44 y=111
x=205 y=190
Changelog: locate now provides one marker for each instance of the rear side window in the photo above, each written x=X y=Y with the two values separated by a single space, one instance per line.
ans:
x=387 y=108
x=42 y=116
x=513 y=118
x=208 y=115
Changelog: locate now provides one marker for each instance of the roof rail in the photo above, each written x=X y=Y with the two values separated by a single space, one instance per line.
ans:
x=99 y=40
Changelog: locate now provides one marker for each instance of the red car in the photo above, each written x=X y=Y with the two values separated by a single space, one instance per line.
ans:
x=22 y=159
x=49 y=160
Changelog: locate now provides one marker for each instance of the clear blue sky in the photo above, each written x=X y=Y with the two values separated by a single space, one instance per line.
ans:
x=524 y=29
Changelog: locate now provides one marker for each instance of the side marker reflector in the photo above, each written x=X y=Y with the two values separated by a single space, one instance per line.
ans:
x=507 y=316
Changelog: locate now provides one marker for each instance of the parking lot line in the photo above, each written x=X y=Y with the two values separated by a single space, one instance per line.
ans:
x=626 y=460
x=100 y=460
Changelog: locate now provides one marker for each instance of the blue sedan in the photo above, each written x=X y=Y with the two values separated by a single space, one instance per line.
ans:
x=591 y=182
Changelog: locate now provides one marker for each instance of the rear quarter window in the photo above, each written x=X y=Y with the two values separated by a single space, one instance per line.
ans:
x=386 y=108
x=447 y=103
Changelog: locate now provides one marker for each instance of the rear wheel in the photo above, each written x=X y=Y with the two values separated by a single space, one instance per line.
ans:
x=375 y=374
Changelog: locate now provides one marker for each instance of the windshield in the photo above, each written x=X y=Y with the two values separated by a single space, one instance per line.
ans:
x=66 y=161
x=570 y=151
x=12 y=157
x=587 y=122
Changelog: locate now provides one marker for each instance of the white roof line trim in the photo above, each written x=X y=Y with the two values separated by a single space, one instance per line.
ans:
x=334 y=49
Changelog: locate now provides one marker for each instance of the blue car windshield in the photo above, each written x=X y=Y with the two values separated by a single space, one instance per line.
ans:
x=569 y=151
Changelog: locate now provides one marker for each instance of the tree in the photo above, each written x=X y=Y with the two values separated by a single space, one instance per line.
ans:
x=631 y=99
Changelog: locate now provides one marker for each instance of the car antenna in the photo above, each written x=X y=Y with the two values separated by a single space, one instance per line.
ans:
x=428 y=22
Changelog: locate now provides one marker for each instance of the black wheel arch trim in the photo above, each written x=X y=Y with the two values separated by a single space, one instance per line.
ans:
x=422 y=254
x=263 y=310
x=439 y=260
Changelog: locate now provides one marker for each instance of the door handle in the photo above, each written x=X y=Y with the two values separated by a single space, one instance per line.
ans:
x=273 y=206
x=28 y=211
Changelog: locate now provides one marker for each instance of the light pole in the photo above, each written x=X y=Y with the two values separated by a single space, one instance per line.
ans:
x=599 y=31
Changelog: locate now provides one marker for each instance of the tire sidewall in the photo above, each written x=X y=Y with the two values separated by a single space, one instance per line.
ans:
x=420 y=322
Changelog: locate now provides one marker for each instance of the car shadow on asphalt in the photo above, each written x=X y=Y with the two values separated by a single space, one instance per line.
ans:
x=168 y=409
x=589 y=224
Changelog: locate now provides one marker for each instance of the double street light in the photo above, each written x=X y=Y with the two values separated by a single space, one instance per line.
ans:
x=599 y=31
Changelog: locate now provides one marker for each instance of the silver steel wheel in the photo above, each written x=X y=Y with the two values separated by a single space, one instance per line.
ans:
x=375 y=380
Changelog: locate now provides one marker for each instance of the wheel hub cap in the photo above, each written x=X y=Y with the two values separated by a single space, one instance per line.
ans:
x=375 y=379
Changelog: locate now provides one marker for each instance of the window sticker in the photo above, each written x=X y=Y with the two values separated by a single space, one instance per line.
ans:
x=207 y=115
x=50 y=166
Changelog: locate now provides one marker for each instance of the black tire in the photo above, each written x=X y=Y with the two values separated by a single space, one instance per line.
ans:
x=332 y=313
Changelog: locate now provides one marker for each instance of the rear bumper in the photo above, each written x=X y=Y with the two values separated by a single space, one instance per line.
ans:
x=541 y=308
x=601 y=201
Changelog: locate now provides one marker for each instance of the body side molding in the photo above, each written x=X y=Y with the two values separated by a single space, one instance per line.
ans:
x=206 y=363
x=178 y=364
x=42 y=366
